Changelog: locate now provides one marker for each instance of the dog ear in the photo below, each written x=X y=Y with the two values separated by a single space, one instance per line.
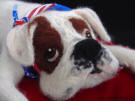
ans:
x=91 y=17
x=19 y=43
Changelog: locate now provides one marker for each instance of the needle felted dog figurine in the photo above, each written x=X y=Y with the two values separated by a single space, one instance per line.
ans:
x=62 y=46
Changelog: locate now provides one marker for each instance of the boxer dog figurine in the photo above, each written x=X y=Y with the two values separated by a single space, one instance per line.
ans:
x=67 y=47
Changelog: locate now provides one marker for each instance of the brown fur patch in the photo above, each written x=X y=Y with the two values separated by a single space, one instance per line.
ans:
x=46 y=37
x=78 y=24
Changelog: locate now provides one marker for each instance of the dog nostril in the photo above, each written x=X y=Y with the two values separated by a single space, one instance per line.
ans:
x=88 y=49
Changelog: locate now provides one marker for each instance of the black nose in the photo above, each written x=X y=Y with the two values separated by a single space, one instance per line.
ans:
x=88 y=49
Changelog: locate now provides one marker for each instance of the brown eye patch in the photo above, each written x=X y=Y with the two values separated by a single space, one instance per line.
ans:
x=78 y=24
x=46 y=37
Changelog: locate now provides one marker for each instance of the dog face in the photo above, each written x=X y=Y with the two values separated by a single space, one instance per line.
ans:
x=64 y=46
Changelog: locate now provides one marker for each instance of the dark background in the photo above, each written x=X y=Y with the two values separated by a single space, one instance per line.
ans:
x=118 y=16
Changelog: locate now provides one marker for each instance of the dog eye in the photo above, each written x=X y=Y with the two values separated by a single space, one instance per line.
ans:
x=51 y=54
x=88 y=34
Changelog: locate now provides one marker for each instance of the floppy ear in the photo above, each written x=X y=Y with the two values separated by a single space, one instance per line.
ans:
x=91 y=17
x=19 y=43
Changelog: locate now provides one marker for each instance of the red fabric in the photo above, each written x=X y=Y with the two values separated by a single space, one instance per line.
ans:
x=120 y=88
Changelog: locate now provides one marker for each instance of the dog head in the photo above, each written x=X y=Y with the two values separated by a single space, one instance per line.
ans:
x=64 y=47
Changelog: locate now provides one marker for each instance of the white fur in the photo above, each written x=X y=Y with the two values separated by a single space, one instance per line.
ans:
x=126 y=56
x=16 y=48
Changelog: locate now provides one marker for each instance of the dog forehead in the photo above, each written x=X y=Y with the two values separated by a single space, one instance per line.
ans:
x=61 y=18
x=69 y=25
x=66 y=22
x=60 y=14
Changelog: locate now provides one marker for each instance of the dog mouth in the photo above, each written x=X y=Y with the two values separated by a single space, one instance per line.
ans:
x=97 y=63
x=85 y=64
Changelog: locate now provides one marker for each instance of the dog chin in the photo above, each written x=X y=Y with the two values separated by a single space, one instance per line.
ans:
x=56 y=90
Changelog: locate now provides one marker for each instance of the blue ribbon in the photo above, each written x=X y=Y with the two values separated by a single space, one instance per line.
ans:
x=59 y=7
x=15 y=14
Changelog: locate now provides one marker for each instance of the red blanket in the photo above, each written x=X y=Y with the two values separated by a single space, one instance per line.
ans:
x=120 y=88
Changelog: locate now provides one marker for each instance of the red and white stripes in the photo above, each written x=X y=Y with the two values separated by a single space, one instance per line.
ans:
x=38 y=10
x=33 y=13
